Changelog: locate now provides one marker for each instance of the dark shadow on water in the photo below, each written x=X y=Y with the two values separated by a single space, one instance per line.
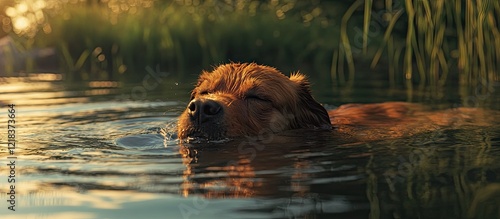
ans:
x=311 y=173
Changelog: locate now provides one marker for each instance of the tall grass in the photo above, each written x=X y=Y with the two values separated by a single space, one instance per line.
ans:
x=415 y=42
x=117 y=41
x=444 y=39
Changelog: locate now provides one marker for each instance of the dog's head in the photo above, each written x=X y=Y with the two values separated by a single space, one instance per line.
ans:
x=249 y=99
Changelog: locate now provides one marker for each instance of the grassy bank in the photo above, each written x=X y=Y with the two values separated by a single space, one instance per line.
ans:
x=425 y=42
x=117 y=41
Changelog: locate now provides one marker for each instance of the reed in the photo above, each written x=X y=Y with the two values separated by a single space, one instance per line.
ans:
x=422 y=43
x=186 y=36
x=444 y=40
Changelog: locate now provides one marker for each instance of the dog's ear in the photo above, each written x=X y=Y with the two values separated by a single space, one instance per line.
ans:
x=308 y=111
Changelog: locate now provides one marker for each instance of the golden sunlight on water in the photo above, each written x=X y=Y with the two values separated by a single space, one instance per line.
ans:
x=41 y=92
x=100 y=84
x=45 y=77
x=97 y=199
x=19 y=85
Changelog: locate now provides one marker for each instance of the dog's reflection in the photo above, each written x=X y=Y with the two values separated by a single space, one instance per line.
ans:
x=249 y=167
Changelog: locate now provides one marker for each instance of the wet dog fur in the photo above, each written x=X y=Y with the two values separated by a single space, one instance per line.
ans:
x=247 y=99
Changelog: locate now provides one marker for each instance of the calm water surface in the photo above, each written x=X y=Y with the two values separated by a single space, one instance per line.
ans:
x=99 y=152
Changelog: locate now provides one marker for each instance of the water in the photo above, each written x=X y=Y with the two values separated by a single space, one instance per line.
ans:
x=110 y=152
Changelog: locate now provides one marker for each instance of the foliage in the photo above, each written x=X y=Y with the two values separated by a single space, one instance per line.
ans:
x=425 y=42
x=443 y=39
x=118 y=39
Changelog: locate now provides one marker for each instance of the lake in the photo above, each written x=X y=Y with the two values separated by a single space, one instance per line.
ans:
x=109 y=150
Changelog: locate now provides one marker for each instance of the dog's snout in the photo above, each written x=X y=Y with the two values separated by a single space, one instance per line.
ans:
x=202 y=110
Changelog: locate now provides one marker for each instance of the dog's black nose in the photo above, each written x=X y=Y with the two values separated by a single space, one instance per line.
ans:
x=202 y=110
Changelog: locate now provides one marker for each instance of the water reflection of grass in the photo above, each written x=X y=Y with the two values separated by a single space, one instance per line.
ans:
x=461 y=177
x=419 y=42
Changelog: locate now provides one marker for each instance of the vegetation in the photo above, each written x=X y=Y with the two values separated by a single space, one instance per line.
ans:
x=442 y=38
x=109 y=39
x=425 y=42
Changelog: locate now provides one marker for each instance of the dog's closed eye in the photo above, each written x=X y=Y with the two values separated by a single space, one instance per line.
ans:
x=254 y=96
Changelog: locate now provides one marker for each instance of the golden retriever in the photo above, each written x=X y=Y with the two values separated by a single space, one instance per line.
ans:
x=248 y=99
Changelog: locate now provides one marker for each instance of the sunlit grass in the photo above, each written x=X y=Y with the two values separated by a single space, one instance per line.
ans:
x=421 y=43
x=117 y=39
x=444 y=39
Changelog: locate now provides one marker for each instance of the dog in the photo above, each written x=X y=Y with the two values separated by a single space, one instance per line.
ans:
x=247 y=99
